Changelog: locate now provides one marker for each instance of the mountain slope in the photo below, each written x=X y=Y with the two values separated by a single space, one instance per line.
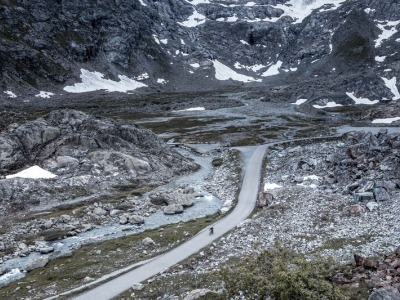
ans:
x=190 y=45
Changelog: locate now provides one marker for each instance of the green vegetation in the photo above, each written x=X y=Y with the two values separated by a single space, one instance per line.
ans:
x=277 y=273
x=88 y=262
x=282 y=274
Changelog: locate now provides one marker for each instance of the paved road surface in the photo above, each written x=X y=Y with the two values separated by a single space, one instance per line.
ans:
x=245 y=206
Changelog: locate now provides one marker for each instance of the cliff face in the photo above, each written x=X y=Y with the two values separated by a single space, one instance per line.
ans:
x=190 y=45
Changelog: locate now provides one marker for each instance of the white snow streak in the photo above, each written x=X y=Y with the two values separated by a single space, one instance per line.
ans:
x=386 y=120
x=299 y=10
x=10 y=94
x=94 y=81
x=273 y=70
x=391 y=84
x=223 y=72
x=195 y=65
x=271 y=186
x=43 y=94
x=194 y=20
x=328 y=105
x=361 y=100
x=300 y=101
x=156 y=39
x=386 y=33
x=196 y=2
x=193 y=109
x=253 y=68
x=34 y=172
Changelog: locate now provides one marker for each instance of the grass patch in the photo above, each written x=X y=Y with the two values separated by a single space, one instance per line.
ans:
x=339 y=243
x=277 y=273
x=89 y=261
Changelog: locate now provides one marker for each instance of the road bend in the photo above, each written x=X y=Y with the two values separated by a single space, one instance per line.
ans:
x=245 y=206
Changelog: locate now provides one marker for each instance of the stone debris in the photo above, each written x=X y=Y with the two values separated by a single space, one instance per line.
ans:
x=323 y=215
x=37 y=263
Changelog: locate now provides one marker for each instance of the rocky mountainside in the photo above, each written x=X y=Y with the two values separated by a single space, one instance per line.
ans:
x=87 y=157
x=334 y=47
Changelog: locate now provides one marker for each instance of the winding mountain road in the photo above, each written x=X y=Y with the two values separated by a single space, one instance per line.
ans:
x=245 y=206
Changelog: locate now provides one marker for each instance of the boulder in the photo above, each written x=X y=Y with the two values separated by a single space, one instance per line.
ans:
x=385 y=293
x=48 y=224
x=3 y=270
x=115 y=212
x=364 y=262
x=46 y=250
x=372 y=206
x=137 y=287
x=148 y=242
x=197 y=294
x=381 y=194
x=136 y=219
x=366 y=196
x=123 y=220
x=37 y=263
x=173 y=209
x=99 y=211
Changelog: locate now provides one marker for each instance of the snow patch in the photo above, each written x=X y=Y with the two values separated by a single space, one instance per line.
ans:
x=164 y=41
x=361 y=100
x=156 y=39
x=223 y=72
x=94 y=81
x=253 y=68
x=142 y=2
x=273 y=70
x=299 y=9
x=244 y=42
x=391 y=84
x=34 y=172
x=161 y=81
x=196 y=2
x=369 y=10
x=10 y=94
x=195 y=65
x=231 y=19
x=142 y=76
x=43 y=94
x=300 y=101
x=271 y=186
x=388 y=29
x=380 y=58
x=192 y=109
x=194 y=20
x=328 y=105
x=386 y=120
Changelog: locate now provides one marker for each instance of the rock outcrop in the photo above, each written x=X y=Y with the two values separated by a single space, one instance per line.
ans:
x=90 y=157
x=383 y=276
x=181 y=44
